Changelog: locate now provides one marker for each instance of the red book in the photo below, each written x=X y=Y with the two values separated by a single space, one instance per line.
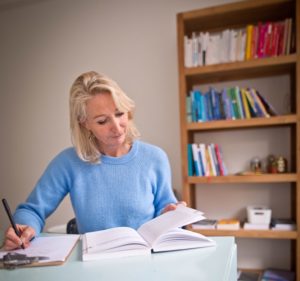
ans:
x=268 y=39
x=254 y=40
x=281 y=49
x=275 y=39
x=262 y=31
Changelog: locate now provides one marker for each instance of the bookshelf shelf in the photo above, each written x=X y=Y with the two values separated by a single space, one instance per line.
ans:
x=267 y=234
x=234 y=16
x=263 y=178
x=262 y=67
x=284 y=120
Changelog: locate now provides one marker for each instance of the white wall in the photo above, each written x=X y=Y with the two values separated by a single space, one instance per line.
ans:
x=46 y=44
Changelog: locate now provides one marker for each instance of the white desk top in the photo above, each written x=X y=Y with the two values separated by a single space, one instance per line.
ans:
x=207 y=264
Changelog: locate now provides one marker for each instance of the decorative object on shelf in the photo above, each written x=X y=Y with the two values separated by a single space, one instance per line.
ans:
x=276 y=164
x=255 y=165
x=259 y=214
x=271 y=164
x=281 y=164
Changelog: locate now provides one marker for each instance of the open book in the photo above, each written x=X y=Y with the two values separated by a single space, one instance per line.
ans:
x=162 y=233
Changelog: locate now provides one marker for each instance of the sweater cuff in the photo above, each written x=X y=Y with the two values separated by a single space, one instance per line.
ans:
x=27 y=218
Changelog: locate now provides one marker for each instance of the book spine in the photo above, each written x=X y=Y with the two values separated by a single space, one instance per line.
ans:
x=204 y=159
x=190 y=160
x=196 y=159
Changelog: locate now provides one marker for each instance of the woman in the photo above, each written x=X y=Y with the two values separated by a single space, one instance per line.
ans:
x=113 y=179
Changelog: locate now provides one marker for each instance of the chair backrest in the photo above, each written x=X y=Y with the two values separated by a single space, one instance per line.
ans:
x=72 y=226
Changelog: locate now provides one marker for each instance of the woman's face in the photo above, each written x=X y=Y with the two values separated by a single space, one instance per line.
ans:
x=107 y=124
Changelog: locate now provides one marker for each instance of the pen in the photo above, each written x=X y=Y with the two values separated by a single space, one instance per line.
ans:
x=12 y=222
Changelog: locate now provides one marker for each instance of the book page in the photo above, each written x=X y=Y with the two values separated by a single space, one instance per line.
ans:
x=56 y=248
x=118 y=238
x=179 y=217
x=178 y=239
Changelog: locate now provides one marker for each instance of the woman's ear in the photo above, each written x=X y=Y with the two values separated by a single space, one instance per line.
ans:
x=85 y=124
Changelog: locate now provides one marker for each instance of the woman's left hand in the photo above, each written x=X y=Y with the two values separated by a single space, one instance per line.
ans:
x=172 y=206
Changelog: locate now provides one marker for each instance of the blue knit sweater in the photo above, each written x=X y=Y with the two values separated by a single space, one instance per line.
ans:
x=120 y=191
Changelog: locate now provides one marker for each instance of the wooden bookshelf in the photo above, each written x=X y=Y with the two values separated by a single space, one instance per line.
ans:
x=238 y=15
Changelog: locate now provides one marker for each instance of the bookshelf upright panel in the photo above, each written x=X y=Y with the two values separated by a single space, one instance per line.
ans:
x=235 y=16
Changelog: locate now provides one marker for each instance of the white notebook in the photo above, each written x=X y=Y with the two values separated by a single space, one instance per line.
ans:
x=56 y=248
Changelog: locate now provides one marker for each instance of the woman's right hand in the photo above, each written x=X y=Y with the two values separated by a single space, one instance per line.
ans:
x=12 y=241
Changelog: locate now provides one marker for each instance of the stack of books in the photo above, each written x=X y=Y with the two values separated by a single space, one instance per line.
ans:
x=248 y=275
x=282 y=224
x=278 y=275
x=256 y=226
x=228 y=224
x=205 y=224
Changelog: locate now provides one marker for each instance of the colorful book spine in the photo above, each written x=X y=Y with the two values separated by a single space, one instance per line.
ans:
x=190 y=160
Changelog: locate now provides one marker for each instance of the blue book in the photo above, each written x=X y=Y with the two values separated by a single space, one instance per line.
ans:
x=190 y=160
x=197 y=95
x=203 y=108
x=196 y=159
x=259 y=112
x=208 y=103
x=202 y=169
x=239 y=102
x=226 y=104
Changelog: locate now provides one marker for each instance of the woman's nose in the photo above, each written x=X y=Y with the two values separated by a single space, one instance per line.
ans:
x=116 y=125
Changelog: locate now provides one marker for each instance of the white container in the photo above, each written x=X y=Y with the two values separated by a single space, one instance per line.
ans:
x=259 y=214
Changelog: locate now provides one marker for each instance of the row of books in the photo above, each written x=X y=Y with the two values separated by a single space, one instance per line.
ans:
x=205 y=160
x=230 y=104
x=280 y=224
x=265 y=39
x=269 y=274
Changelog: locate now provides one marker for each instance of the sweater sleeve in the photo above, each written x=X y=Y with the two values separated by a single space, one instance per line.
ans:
x=46 y=195
x=163 y=192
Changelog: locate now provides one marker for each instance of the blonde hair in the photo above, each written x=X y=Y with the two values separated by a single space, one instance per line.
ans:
x=85 y=87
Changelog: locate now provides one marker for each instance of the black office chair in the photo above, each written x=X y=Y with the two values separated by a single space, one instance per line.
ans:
x=72 y=227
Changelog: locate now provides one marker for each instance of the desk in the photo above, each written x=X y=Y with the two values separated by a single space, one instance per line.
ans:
x=208 y=264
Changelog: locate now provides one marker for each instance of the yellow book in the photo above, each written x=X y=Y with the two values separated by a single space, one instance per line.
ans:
x=245 y=104
x=249 y=32
x=251 y=102
x=208 y=161
x=228 y=224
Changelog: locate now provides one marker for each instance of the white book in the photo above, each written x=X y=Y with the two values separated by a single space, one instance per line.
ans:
x=256 y=226
x=224 y=46
x=195 y=50
x=233 y=45
x=213 y=48
x=213 y=164
x=197 y=165
x=203 y=153
x=188 y=52
x=162 y=233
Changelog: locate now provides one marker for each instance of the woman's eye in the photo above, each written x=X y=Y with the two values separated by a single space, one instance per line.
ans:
x=119 y=114
x=101 y=122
